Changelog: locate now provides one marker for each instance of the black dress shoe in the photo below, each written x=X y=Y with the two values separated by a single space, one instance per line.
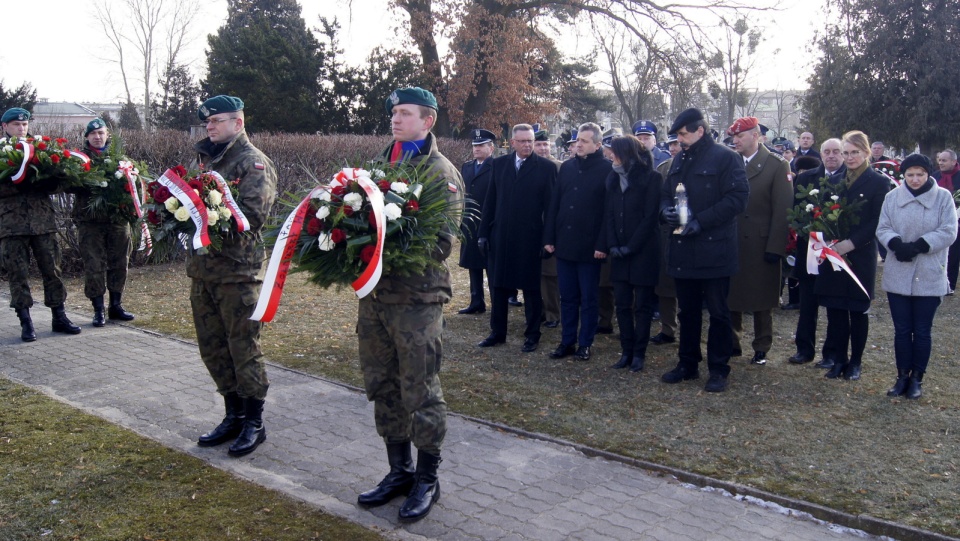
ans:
x=583 y=353
x=759 y=357
x=790 y=306
x=604 y=330
x=836 y=371
x=637 y=364
x=851 y=372
x=680 y=373
x=623 y=362
x=551 y=324
x=799 y=359
x=491 y=341
x=661 y=339
x=825 y=364
x=473 y=310
x=716 y=384
x=529 y=345
x=513 y=301
x=562 y=351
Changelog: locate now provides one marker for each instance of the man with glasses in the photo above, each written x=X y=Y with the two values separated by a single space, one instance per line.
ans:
x=511 y=232
x=226 y=284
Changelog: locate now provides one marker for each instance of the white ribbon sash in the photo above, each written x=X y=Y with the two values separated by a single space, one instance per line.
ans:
x=189 y=199
x=818 y=251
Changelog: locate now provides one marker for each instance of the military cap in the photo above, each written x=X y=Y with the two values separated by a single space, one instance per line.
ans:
x=573 y=136
x=778 y=141
x=15 y=113
x=644 y=126
x=482 y=137
x=916 y=160
x=541 y=135
x=94 y=124
x=219 y=104
x=806 y=163
x=413 y=95
x=788 y=145
x=671 y=138
x=608 y=141
x=728 y=141
x=743 y=124
x=686 y=118
x=536 y=127
x=763 y=129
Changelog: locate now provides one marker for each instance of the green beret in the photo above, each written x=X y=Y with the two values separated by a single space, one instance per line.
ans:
x=541 y=135
x=15 y=113
x=94 y=124
x=413 y=95
x=219 y=104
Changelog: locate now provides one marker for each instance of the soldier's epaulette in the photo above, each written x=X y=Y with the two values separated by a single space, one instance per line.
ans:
x=468 y=161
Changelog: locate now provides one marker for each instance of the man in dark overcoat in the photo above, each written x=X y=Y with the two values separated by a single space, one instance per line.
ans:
x=511 y=234
x=476 y=175
x=703 y=257
x=762 y=231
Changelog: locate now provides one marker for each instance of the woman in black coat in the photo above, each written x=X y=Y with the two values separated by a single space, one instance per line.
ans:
x=846 y=304
x=633 y=235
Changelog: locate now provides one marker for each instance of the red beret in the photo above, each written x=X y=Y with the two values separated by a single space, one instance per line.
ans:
x=741 y=125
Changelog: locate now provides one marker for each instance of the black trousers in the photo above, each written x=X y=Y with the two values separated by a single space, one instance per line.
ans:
x=635 y=305
x=692 y=295
x=953 y=263
x=476 y=289
x=846 y=327
x=532 y=306
x=806 y=339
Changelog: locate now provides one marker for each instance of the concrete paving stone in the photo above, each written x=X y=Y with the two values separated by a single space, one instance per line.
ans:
x=630 y=516
x=477 y=499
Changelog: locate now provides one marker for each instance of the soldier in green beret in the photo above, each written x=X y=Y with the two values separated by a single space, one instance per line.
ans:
x=399 y=328
x=226 y=284
x=28 y=224
x=105 y=244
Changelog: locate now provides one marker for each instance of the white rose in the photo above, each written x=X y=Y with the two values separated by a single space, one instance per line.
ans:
x=212 y=217
x=215 y=198
x=172 y=204
x=814 y=191
x=399 y=187
x=355 y=200
x=835 y=197
x=392 y=211
x=118 y=174
x=324 y=242
x=225 y=213
x=323 y=212
x=182 y=214
x=324 y=195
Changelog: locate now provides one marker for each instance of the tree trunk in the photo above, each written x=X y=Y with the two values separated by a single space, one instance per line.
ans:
x=421 y=30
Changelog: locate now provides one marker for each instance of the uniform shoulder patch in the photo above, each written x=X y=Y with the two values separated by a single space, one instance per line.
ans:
x=452 y=187
x=258 y=165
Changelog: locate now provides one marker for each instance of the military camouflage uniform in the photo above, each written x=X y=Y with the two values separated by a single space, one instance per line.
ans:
x=399 y=328
x=226 y=284
x=28 y=222
x=105 y=244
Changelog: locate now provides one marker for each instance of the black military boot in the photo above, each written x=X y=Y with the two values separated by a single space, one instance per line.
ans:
x=397 y=482
x=27 y=334
x=900 y=386
x=116 y=311
x=914 y=390
x=253 y=432
x=231 y=425
x=61 y=323
x=425 y=491
x=99 y=318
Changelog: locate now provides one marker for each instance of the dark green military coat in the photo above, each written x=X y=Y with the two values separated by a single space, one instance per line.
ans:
x=25 y=210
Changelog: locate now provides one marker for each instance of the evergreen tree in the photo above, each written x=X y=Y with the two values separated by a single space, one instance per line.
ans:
x=25 y=96
x=130 y=118
x=265 y=55
x=177 y=107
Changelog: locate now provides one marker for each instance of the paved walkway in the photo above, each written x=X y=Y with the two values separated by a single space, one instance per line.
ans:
x=322 y=448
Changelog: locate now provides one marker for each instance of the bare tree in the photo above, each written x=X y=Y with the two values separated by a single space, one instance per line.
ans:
x=731 y=62
x=112 y=30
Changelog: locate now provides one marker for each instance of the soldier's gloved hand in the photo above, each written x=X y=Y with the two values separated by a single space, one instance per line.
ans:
x=692 y=228
x=483 y=245
x=771 y=258
x=670 y=216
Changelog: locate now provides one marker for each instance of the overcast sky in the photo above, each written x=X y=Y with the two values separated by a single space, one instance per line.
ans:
x=63 y=57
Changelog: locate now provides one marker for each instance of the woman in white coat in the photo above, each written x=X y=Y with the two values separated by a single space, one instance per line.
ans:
x=918 y=223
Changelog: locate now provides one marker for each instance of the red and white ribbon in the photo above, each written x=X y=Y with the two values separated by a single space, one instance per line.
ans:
x=146 y=243
x=370 y=276
x=76 y=154
x=280 y=258
x=818 y=251
x=228 y=201
x=27 y=156
x=189 y=199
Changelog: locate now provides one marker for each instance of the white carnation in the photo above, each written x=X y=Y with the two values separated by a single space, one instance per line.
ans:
x=172 y=204
x=835 y=197
x=8 y=148
x=355 y=200
x=323 y=212
x=118 y=174
x=809 y=207
x=814 y=191
x=392 y=211
x=324 y=242
x=399 y=187
x=377 y=173
x=324 y=195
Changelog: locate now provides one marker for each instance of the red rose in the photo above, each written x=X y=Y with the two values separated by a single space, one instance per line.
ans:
x=339 y=191
x=314 y=226
x=337 y=236
x=180 y=170
x=153 y=217
x=42 y=146
x=161 y=194
x=384 y=186
x=367 y=253
x=834 y=206
x=196 y=185
x=347 y=210
x=61 y=140
x=55 y=158
x=412 y=206
x=45 y=138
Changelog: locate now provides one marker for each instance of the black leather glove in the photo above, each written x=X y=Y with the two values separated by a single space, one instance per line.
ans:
x=483 y=244
x=692 y=228
x=544 y=254
x=616 y=253
x=771 y=258
x=670 y=216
